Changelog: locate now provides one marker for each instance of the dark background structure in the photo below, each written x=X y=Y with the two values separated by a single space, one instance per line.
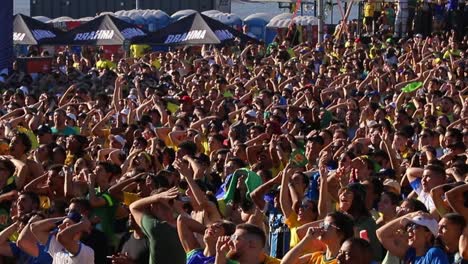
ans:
x=86 y=8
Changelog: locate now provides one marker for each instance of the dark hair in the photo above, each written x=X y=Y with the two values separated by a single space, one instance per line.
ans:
x=10 y=166
x=362 y=246
x=83 y=203
x=417 y=205
x=455 y=133
x=358 y=206
x=228 y=226
x=438 y=170
x=25 y=140
x=109 y=167
x=34 y=198
x=254 y=231
x=344 y=224
x=160 y=179
x=238 y=162
x=394 y=198
x=189 y=146
x=304 y=177
x=456 y=219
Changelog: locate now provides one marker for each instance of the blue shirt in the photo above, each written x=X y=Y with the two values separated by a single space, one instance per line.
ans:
x=23 y=258
x=433 y=256
x=196 y=257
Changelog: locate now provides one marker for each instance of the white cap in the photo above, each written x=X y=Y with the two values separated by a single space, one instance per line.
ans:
x=24 y=89
x=119 y=139
x=132 y=97
x=125 y=111
x=393 y=184
x=422 y=220
x=71 y=116
x=251 y=113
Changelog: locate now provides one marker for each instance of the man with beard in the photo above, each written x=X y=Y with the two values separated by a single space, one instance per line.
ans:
x=245 y=246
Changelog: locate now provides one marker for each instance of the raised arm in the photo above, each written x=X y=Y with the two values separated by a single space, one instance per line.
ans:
x=456 y=199
x=98 y=129
x=66 y=236
x=41 y=229
x=200 y=197
x=258 y=194
x=116 y=190
x=285 y=196
x=138 y=208
x=436 y=193
x=390 y=239
x=295 y=255
x=26 y=240
x=117 y=93
x=324 y=199
x=37 y=186
x=5 y=249
x=186 y=227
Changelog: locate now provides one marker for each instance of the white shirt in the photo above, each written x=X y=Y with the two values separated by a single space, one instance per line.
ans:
x=61 y=256
x=423 y=196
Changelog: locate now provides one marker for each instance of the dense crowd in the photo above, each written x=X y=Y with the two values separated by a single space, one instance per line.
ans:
x=349 y=151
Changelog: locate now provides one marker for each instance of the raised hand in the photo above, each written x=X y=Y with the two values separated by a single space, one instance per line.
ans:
x=223 y=245
x=169 y=194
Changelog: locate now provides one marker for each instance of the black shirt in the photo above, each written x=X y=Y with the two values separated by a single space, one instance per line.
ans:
x=98 y=241
x=136 y=249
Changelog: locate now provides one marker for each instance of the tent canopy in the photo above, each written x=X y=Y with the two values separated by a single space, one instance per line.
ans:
x=29 y=31
x=103 y=30
x=194 y=29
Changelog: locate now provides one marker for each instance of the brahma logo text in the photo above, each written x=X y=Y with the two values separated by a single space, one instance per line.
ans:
x=42 y=34
x=99 y=34
x=223 y=34
x=192 y=34
x=17 y=36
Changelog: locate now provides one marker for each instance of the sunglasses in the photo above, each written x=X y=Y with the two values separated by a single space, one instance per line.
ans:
x=325 y=226
x=411 y=227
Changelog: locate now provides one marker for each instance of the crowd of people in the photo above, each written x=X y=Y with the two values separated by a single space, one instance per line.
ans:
x=350 y=151
x=411 y=16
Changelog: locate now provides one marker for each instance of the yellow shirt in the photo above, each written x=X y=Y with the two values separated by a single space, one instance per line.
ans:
x=129 y=198
x=139 y=50
x=369 y=9
x=103 y=64
x=319 y=258
x=293 y=224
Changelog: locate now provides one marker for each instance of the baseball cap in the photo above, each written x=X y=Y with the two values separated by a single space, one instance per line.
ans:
x=422 y=220
x=119 y=139
x=71 y=116
x=186 y=99
x=42 y=129
x=24 y=89
x=251 y=113
x=393 y=186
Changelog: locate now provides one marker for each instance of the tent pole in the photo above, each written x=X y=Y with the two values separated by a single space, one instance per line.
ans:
x=320 y=17
x=137 y=4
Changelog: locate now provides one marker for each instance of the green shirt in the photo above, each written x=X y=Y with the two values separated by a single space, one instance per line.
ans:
x=165 y=247
x=367 y=223
x=106 y=215
x=67 y=131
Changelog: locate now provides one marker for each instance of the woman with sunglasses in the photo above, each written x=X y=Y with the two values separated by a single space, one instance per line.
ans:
x=411 y=238
x=332 y=231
